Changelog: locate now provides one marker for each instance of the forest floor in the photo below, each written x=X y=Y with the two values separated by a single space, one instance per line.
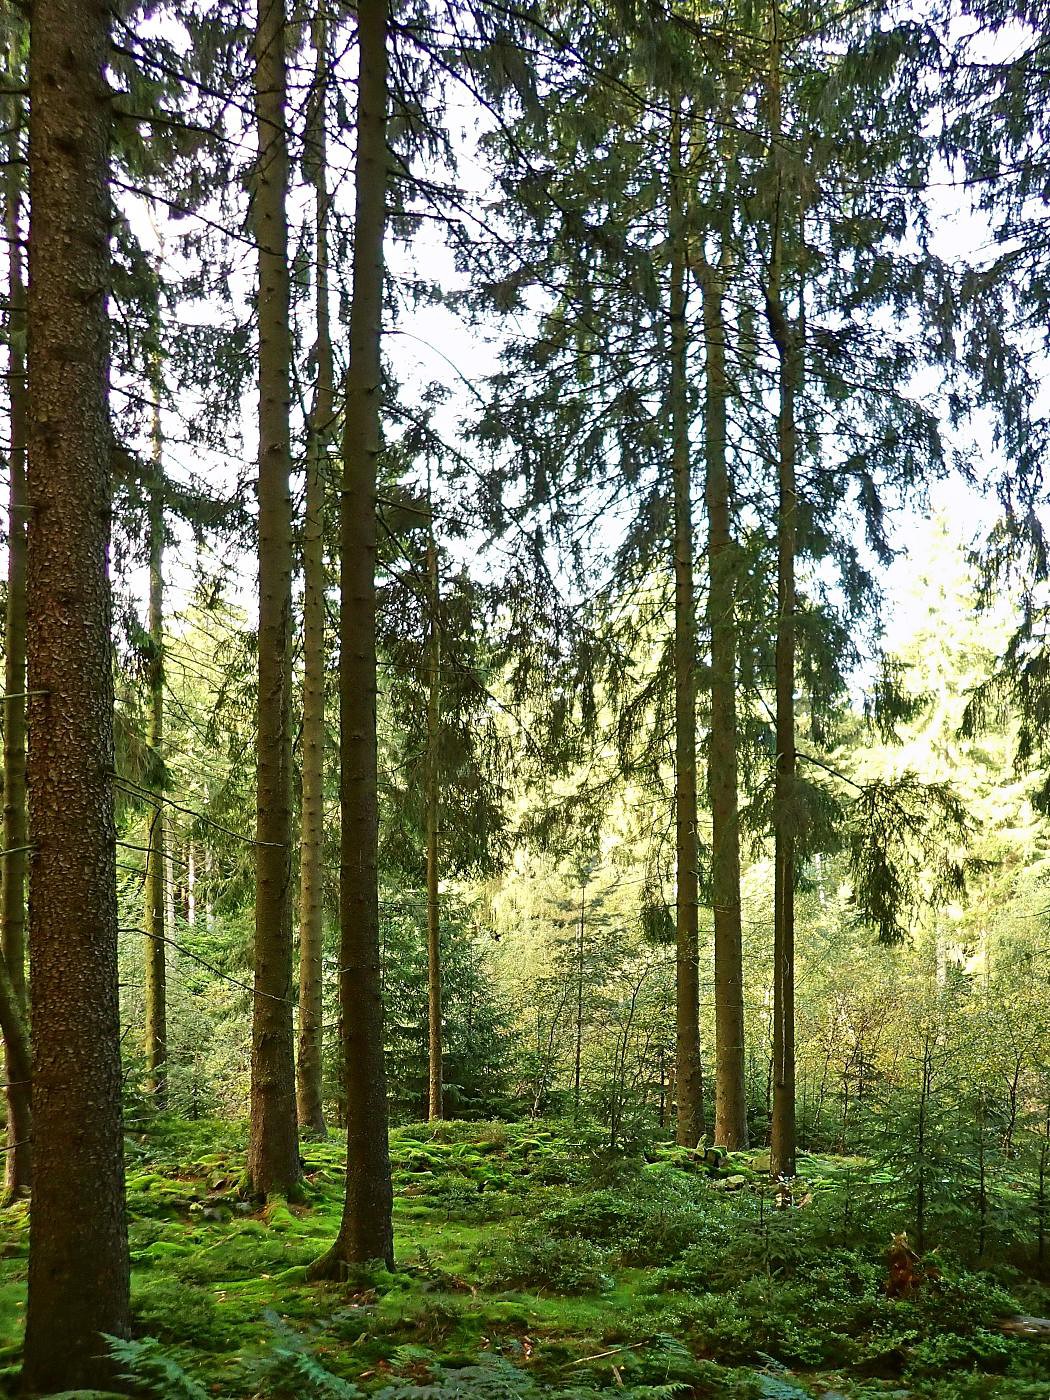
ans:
x=535 y=1265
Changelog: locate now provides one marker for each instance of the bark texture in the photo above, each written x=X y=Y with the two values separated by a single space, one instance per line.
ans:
x=13 y=1016
x=309 y=1062
x=273 y=1146
x=78 y=1248
x=690 y=1122
x=366 y=1230
x=156 y=1036
x=730 y=1129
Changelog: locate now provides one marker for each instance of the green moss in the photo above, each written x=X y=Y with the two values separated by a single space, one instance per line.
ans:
x=501 y=1259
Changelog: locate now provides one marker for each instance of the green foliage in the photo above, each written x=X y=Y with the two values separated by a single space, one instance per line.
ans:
x=481 y=1040
x=148 y=1365
x=534 y=1261
x=492 y=1376
x=291 y=1370
x=562 y=1293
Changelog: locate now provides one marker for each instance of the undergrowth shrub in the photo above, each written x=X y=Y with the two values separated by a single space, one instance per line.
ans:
x=534 y=1260
x=643 y=1226
x=167 y=1309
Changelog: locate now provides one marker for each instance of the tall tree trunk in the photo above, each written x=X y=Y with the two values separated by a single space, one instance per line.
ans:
x=13 y=866
x=273 y=1147
x=156 y=949
x=782 y=1141
x=435 y=1048
x=687 y=981
x=366 y=1231
x=78 y=1241
x=309 y=1064
x=730 y=1095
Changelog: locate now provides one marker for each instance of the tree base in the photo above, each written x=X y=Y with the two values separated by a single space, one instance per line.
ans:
x=334 y=1267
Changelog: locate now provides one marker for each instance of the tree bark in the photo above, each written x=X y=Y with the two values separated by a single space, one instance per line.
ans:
x=722 y=773
x=156 y=950
x=690 y=1124
x=309 y=1065
x=436 y=1102
x=366 y=1230
x=78 y=1243
x=782 y=1139
x=273 y=1147
x=13 y=867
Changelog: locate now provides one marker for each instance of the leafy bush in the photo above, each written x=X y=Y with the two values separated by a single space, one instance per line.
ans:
x=981 y=1348
x=645 y=1227
x=174 y=1313
x=535 y=1260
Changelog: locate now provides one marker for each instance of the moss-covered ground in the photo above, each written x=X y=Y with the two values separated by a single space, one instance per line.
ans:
x=535 y=1264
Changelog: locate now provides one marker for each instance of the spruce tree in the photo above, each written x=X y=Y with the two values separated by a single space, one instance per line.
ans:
x=366 y=1229
x=273 y=1153
x=156 y=1038
x=78 y=1249
x=309 y=1060
x=435 y=1097
x=690 y=1119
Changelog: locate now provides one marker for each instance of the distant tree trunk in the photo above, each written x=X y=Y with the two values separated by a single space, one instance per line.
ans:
x=1042 y=1202
x=156 y=950
x=785 y=338
x=366 y=1231
x=690 y=1126
x=13 y=867
x=580 y=949
x=209 y=889
x=982 y=1174
x=191 y=883
x=78 y=1241
x=730 y=1093
x=273 y=1147
x=310 y=1064
x=435 y=1099
x=921 y=1146
x=171 y=837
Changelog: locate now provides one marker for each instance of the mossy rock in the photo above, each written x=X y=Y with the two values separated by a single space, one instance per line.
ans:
x=87 y=1395
x=250 y=1227
x=144 y=1181
x=160 y=1250
x=279 y=1217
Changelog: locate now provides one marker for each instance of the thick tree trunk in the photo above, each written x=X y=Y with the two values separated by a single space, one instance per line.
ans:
x=156 y=950
x=690 y=1126
x=13 y=866
x=782 y=1140
x=309 y=1064
x=366 y=1231
x=78 y=1243
x=436 y=1101
x=273 y=1147
x=730 y=1095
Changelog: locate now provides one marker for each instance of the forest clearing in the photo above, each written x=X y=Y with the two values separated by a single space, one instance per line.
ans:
x=525 y=866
